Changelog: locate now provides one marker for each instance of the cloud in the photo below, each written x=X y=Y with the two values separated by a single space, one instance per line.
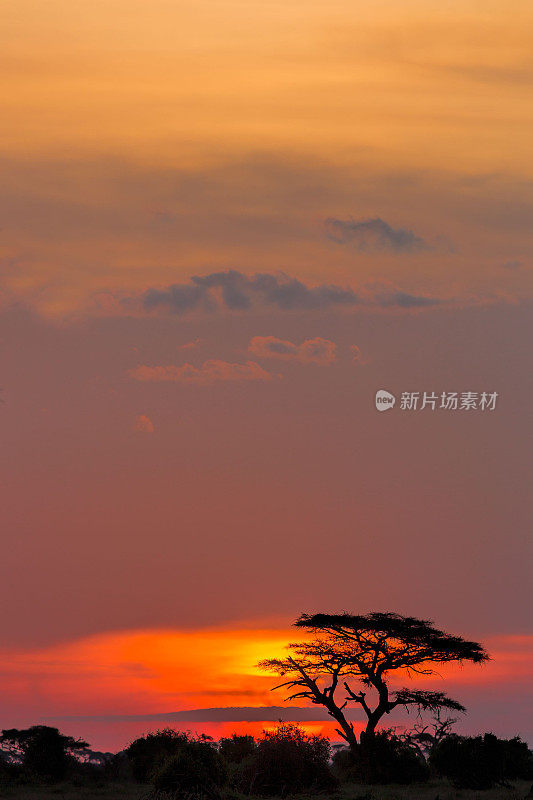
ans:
x=290 y=293
x=229 y=213
x=221 y=714
x=179 y=298
x=512 y=265
x=143 y=424
x=211 y=371
x=398 y=299
x=374 y=234
x=234 y=287
x=357 y=356
x=312 y=351
x=383 y=294
x=238 y=292
x=235 y=291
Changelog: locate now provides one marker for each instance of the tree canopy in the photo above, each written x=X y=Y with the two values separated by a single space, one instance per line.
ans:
x=367 y=649
x=17 y=742
x=42 y=751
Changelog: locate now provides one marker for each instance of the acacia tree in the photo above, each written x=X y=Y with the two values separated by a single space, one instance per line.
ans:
x=369 y=649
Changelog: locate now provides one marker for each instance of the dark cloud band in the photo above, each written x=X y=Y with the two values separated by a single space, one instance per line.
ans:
x=231 y=714
x=374 y=234
x=233 y=290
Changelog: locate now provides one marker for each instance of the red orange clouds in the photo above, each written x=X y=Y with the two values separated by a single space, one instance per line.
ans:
x=211 y=371
x=311 y=351
x=143 y=424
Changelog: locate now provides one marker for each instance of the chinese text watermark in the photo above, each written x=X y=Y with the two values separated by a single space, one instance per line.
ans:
x=436 y=401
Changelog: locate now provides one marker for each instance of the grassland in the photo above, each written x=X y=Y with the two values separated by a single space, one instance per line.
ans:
x=434 y=790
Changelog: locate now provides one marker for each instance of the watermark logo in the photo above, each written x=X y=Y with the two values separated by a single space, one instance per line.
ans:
x=438 y=401
x=384 y=400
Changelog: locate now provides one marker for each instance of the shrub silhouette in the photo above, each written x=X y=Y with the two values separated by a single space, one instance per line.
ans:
x=235 y=749
x=423 y=736
x=286 y=761
x=481 y=762
x=195 y=770
x=8 y=771
x=518 y=759
x=148 y=752
x=381 y=758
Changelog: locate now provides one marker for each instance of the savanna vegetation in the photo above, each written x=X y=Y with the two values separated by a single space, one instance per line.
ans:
x=349 y=660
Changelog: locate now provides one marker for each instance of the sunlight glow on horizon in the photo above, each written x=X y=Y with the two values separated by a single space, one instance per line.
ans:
x=163 y=670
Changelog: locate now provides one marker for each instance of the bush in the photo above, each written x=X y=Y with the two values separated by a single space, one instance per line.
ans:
x=9 y=772
x=518 y=759
x=197 y=769
x=481 y=762
x=286 y=761
x=236 y=748
x=119 y=768
x=148 y=752
x=381 y=758
x=45 y=758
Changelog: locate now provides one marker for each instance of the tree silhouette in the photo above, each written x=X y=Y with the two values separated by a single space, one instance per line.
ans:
x=43 y=751
x=424 y=737
x=368 y=649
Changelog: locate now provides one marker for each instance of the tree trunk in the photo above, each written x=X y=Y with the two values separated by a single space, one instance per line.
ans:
x=382 y=708
x=348 y=731
x=371 y=724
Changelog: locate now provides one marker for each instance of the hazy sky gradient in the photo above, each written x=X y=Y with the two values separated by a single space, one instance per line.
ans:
x=223 y=227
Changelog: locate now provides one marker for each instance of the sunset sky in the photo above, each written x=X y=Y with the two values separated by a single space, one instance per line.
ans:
x=224 y=225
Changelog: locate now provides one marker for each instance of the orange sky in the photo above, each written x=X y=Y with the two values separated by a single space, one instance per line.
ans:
x=158 y=671
x=145 y=142
x=119 y=683
x=160 y=81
